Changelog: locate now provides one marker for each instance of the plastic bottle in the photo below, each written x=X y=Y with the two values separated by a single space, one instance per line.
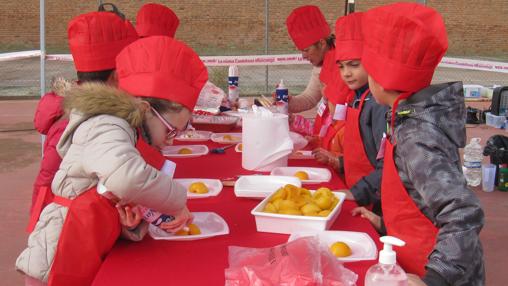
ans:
x=387 y=272
x=473 y=162
x=281 y=97
x=233 y=90
x=154 y=217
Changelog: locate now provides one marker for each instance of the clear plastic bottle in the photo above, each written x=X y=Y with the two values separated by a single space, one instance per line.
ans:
x=387 y=272
x=473 y=162
x=282 y=97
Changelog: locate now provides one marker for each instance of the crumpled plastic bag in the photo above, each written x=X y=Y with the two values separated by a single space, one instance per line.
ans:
x=301 y=262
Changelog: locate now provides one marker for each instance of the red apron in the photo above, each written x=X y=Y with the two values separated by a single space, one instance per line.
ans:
x=90 y=230
x=404 y=220
x=356 y=162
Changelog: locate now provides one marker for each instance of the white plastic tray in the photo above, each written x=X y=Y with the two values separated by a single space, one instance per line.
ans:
x=281 y=223
x=194 y=136
x=219 y=138
x=214 y=187
x=316 y=175
x=361 y=244
x=210 y=224
x=197 y=150
x=238 y=146
x=261 y=186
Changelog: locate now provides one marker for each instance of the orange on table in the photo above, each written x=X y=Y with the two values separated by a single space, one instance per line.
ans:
x=198 y=188
x=340 y=249
x=293 y=200
x=302 y=175
x=191 y=229
x=185 y=151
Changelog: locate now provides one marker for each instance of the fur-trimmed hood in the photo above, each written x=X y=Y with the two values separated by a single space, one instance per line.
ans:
x=94 y=99
x=91 y=99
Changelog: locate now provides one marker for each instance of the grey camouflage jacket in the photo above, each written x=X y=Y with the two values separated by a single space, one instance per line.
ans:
x=429 y=129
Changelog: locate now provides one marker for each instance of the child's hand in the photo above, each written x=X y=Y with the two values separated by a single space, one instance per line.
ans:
x=414 y=280
x=349 y=195
x=373 y=218
x=130 y=217
x=313 y=141
x=181 y=220
x=322 y=156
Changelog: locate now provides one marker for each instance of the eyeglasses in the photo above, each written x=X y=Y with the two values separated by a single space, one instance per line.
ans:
x=172 y=131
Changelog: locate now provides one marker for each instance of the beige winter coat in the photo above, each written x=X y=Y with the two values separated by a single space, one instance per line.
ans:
x=98 y=145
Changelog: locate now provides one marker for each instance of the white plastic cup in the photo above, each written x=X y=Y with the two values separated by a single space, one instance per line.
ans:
x=488 y=177
x=243 y=103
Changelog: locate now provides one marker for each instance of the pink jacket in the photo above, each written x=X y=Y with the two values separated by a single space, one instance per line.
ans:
x=48 y=121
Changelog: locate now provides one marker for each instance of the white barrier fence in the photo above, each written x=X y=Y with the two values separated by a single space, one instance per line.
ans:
x=284 y=59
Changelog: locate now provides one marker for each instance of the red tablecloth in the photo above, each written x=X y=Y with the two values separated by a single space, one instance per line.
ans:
x=202 y=262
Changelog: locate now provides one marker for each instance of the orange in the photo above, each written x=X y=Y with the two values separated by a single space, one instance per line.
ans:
x=185 y=151
x=302 y=175
x=183 y=231
x=227 y=137
x=240 y=147
x=198 y=188
x=194 y=229
x=340 y=249
x=270 y=208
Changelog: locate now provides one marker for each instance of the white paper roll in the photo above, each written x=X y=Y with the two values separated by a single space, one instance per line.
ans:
x=266 y=141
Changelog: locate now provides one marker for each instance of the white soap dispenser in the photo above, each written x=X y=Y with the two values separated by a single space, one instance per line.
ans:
x=387 y=272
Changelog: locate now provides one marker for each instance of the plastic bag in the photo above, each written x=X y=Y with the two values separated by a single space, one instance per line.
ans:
x=301 y=262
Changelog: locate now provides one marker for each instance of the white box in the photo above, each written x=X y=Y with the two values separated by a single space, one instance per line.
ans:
x=472 y=90
x=259 y=187
x=495 y=120
x=281 y=223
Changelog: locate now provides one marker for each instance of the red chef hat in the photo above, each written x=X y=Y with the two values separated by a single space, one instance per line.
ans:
x=156 y=20
x=96 y=38
x=348 y=37
x=307 y=25
x=161 y=67
x=403 y=44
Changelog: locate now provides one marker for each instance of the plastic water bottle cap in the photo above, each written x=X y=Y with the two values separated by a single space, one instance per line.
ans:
x=388 y=255
x=233 y=71
x=476 y=140
x=281 y=85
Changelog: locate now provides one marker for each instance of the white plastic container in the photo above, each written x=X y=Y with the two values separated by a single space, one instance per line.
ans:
x=260 y=187
x=361 y=244
x=316 y=175
x=495 y=120
x=472 y=90
x=287 y=224
x=387 y=272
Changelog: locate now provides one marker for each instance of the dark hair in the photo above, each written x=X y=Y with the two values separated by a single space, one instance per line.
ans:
x=330 y=42
x=162 y=105
x=95 y=76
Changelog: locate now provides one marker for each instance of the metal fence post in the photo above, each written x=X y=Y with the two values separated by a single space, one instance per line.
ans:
x=266 y=41
x=42 y=39
x=42 y=43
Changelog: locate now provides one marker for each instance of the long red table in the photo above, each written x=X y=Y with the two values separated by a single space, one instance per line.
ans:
x=202 y=262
